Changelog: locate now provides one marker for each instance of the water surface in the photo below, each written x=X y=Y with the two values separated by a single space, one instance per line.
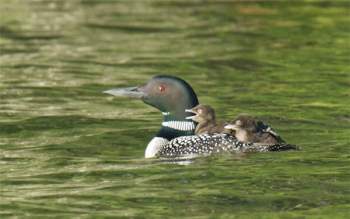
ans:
x=67 y=150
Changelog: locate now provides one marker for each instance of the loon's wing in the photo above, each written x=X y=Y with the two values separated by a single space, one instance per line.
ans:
x=265 y=128
x=199 y=145
x=206 y=144
x=260 y=147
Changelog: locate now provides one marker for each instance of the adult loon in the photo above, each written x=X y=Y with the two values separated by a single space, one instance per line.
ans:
x=206 y=120
x=175 y=139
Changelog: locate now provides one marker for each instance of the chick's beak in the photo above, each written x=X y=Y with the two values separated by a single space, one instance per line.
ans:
x=191 y=111
x=230 y=126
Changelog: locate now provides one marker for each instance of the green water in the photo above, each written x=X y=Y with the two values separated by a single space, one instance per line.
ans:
x=67 y=150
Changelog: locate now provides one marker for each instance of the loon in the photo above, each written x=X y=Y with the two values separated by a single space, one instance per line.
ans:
x=206 y=120
x=247 y=129
x=175 y=139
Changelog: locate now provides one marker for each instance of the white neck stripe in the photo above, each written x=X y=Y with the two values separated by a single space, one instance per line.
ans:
x=179 y=125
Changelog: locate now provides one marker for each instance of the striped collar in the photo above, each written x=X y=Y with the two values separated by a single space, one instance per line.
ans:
x=166 y=113
x=180 y=125
x=170 y=121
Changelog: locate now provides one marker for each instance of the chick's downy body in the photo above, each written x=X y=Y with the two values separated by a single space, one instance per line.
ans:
x=247 y=129
x=206 y=120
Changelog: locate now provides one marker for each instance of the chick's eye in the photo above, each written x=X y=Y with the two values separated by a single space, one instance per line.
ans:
x=161 y=88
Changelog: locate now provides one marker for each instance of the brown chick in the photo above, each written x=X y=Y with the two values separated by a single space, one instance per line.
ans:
x=247 y=129
x=205 y=117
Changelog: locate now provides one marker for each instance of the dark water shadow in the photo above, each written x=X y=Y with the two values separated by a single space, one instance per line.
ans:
x=131 y=28
x=236 y=63
x=10 y=34
x=133 y=63
x=57 y=122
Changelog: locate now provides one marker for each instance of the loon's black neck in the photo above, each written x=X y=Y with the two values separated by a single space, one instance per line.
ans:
x=174 y=126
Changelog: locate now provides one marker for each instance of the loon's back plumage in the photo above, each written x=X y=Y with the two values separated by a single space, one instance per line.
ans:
x=206 y=144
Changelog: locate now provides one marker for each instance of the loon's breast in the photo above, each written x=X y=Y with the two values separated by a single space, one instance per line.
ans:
x=206 y=144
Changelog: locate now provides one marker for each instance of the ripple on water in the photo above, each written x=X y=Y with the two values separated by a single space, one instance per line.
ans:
x=67 y=150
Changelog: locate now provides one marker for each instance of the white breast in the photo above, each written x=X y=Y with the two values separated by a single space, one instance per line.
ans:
x=154 y=146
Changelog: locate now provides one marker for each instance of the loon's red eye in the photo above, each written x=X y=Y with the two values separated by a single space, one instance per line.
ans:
x=161 y=88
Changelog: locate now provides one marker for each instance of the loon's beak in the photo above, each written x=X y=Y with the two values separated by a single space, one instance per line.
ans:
x=230 y=126
x=133 y=92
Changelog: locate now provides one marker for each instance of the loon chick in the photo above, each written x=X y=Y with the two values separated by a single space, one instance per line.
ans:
x=172 y=96
x=206 y=120
x=247 y=129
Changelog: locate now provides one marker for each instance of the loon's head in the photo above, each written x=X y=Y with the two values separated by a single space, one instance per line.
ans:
x=170 y=94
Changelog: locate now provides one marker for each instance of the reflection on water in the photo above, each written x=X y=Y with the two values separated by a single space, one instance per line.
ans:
x=67 y=150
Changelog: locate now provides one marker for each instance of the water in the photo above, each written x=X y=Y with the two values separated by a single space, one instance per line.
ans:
x=67 y=150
